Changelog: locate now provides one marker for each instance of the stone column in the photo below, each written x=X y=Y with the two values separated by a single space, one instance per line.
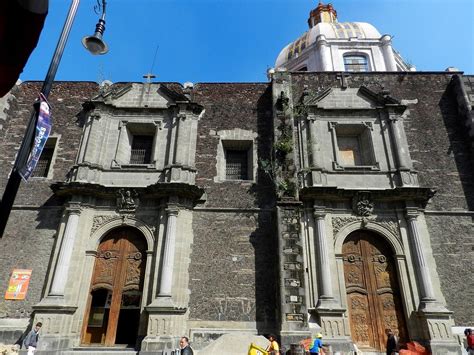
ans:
x=324 y=271
x=168 y=256
x=388 y=56
x=118 y=158
x=423 y=272
x=95 y=139
x=400 y=151
x=181 y=140
x=64 y=260
x=315 y=156
x=324 y=53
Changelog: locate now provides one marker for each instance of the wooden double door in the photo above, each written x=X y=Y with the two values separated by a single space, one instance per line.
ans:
x=373 y=292
x=113 y=312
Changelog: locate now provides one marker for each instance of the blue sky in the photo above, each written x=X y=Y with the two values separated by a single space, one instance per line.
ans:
x=237 y=40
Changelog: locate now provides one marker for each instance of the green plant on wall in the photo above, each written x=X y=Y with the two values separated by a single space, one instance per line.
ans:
x=284 y=145
x=286 y=188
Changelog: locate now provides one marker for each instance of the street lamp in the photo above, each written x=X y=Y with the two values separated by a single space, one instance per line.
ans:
x=94 y=43
x=95 y=46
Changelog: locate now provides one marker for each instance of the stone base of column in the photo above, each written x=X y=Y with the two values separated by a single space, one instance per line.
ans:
x=318 y=178
x=432 y=306
x=437 y=331
x=162 y=303
x=166 y=325
x=55 y=344
x=54 y=303
x=158 y=345
x=287 y=338
x=56 y=316
x=327 y=303
x=332 y=322
x=334 y=327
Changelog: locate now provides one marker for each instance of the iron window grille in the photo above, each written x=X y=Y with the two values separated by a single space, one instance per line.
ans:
x=236 y=165
x=44 y=162
x=141 y=150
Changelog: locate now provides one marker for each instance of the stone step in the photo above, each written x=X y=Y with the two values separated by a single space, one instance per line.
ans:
x=100 y=350
x=369 y=352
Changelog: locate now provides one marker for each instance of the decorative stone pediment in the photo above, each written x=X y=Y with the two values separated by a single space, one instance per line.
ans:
x=360 y=98
x=136 y=95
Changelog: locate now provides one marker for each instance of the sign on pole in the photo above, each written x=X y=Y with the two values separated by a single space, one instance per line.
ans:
x=43 y=129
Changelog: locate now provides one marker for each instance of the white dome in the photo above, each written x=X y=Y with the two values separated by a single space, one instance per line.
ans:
x=335 y=30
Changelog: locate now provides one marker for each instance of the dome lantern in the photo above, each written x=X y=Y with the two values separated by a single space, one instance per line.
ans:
x=322 y=13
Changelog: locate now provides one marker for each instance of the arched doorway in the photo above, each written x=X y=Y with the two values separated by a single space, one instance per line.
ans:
x=113 y=309
x=373 y=292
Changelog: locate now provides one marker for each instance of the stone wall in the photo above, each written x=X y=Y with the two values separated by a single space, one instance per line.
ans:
x=453 y=249
x=28 y=244
x=233 y=275
x=229 y=107
x=233 y=271
x=66 y=101
x=31 y=231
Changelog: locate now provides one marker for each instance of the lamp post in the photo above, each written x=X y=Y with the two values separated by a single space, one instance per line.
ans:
x=23 y=153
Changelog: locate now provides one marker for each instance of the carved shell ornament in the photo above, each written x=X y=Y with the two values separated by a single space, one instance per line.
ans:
x=362 y=204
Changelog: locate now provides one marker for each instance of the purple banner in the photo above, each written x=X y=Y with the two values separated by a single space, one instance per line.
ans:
x=43 y=129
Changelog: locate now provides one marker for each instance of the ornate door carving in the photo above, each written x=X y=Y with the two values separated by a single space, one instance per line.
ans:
x=373 y=296
x=113 y=311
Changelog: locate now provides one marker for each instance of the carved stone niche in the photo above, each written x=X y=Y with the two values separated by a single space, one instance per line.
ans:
x=127 y=200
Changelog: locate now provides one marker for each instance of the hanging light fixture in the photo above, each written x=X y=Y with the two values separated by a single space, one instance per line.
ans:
x=95 y=43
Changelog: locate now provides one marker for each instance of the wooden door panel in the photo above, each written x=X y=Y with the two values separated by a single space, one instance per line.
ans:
x=119 y=267
x=372 y=290
x=360 y=319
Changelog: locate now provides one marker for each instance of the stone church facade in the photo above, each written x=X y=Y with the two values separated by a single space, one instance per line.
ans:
x=333 y=202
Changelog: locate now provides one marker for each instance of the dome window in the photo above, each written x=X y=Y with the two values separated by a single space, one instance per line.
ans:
x=356 y=63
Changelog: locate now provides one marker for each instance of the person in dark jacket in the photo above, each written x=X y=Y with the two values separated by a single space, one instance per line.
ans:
x=184 y=345
x=31 y=340
x=392 y=342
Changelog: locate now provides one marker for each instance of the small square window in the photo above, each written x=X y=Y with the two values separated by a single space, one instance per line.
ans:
x=141 y=149
x=236 y=167
x=236 y=156
x=353 y=146
x=349 y=150
x=44 y=163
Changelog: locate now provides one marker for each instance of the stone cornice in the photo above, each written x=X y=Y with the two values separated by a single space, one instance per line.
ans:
x=155 y=191
x=420 y=195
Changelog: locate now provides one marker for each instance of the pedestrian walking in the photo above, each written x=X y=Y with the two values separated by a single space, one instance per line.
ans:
x=273 y=348
x=185 y=347
x=31 y=340
x=469 y=340
x=317 y=345
x=392 y=342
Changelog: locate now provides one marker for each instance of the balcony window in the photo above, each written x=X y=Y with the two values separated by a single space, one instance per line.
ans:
x=141 y=149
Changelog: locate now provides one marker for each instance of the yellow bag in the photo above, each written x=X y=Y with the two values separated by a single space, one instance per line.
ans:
x=256 y=350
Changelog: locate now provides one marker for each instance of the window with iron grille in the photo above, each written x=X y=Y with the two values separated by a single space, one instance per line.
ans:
x=141 y=150
x=236 y=167
x=356 y=63
x=44 y=162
